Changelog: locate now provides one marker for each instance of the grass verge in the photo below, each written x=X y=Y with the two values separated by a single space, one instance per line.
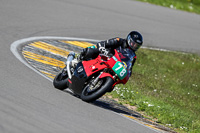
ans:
x=165 y=86
x=185 y=5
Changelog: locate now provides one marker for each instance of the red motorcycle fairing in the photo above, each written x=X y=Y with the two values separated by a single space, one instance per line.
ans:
x=98 y=64
x=92 y=66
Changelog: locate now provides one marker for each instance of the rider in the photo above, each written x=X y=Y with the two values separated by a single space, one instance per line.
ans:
x=126 y=47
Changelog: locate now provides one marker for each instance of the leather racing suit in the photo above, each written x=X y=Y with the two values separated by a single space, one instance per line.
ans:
x=107 y=47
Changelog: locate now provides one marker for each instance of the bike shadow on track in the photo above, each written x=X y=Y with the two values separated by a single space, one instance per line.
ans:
x=111 y=105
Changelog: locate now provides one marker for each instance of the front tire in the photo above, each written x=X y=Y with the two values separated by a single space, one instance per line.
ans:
x=102 y=87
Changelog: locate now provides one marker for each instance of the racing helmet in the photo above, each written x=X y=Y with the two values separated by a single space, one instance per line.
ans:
x=134 y=40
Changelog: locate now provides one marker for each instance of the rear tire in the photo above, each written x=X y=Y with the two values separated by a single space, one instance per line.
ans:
x=89 y=96
x=61 y=81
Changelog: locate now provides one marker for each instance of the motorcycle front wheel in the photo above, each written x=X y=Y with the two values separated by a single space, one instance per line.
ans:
x=92 y=92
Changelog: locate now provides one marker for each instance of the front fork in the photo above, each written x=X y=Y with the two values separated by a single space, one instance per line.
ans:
x=105 y=74
x=96 y=79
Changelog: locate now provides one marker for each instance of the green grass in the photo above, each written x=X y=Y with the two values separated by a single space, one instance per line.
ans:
x=186 y=5
x=166 y=87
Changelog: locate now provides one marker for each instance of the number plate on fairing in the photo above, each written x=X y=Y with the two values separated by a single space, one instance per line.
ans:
x=120 y=70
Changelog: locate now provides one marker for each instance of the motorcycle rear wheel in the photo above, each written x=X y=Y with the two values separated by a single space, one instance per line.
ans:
x=104 y=85
x=61 y=81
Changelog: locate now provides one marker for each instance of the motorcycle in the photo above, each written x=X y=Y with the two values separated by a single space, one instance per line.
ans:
x=91 y=79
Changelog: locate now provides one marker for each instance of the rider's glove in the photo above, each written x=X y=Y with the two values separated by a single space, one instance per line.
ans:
x=82 y=54
x=102 y=48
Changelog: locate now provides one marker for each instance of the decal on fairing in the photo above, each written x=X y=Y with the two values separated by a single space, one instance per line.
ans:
x=114 y=58
x=124 y=64
x=120 y=70
x=80 y=69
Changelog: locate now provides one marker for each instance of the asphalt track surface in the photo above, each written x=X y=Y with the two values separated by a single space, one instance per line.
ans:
x=28 y=101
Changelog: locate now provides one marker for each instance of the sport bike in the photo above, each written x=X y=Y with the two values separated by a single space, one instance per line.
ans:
x=91 y=79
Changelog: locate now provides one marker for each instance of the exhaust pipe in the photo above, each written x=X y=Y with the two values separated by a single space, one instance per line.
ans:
x=70 y=57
